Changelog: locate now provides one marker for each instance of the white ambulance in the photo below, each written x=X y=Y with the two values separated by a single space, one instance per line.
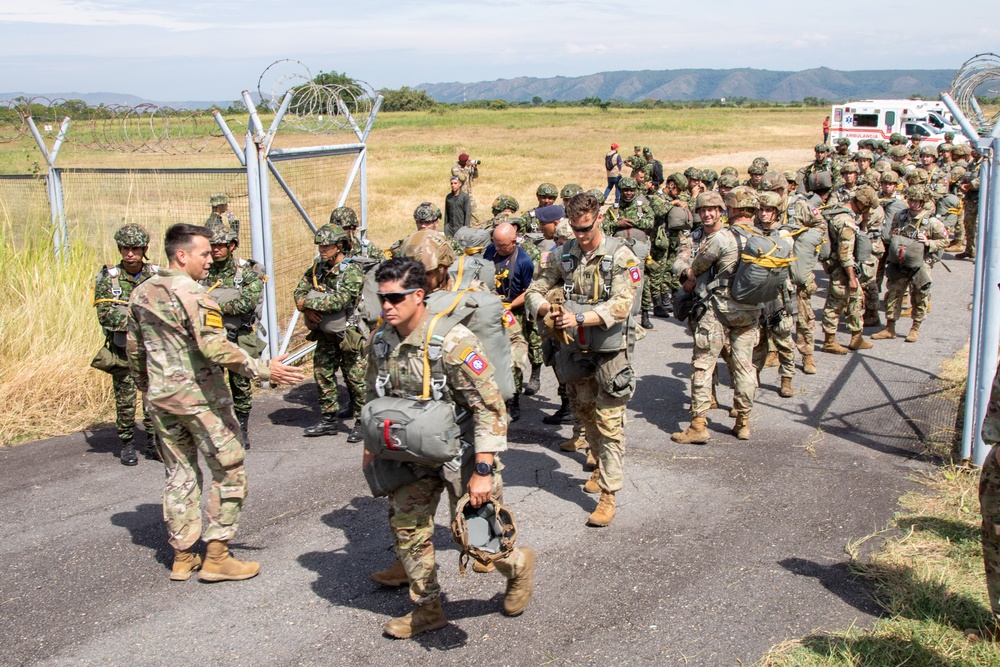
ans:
x=879 y=119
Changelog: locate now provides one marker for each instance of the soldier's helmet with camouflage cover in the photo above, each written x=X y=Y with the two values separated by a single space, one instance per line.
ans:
x=692 y=174
x=628 y=183
x=547 y=190
x=916 y=193
x=504 y=202
x=679 y=180
x=896 y=139
x=889 y=177
x=709 y=176
x=329 y=234
x=791 y=176
x=429 y=247
x=345 y=217
x=708 y=200
x=928 y=150
x=949 y=137
x=944 y=148
x=598 y=195
x=427 y=212
x=563 y=230
x=132 y=236
x=821 y=148
x=729 y=170
x=918 y=177
x=956 y=174
x=769 y=199
x=570 y=190
x=898 y=150
x=742 y=197
x=864 y=154
x=961 y=149
x=871 y=177
x=865 y=198
x=646 y=153
x=218 y=200
x=849 y=168
x=729 y=181
x=755 y=169
x=773 y=180
x=843 y=141
x=221 y=235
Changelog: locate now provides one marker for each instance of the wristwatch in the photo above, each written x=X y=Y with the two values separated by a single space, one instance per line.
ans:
x=483 y=468
x=579 y=319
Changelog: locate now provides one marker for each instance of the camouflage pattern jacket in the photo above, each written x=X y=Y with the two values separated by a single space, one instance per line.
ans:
x=177 y=347
x=117 y=284
x=904 y=224
x=636 y=214
x=843 y=232
x=717 y=255
x=250 y=285
x=340 y=285
x=365 y=248
x=801 y=211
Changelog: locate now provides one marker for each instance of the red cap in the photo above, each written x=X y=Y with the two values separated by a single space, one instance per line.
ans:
x=463 y=157
x=614 y=147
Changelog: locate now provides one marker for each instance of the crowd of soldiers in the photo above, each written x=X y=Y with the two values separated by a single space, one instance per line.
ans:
x=580 y=281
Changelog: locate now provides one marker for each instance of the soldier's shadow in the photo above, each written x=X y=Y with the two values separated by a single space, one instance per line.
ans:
x=145 y=525
x=661 y=399
x=104 y=441
x=542 y=470
x=303 y=395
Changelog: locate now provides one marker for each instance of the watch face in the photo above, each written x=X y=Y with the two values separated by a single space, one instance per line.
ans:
x=579 y=318
x=484 y=468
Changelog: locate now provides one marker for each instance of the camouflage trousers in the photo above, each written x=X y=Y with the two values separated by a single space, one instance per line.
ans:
x=989 y=503
x=805 y=320
x=896 y=287
x=840 y=299
x=242 y=389
x=216 y=434
x=125 y=400
x=411 y=517
x=778 y=336
x=329 y=356
x=663 y=281
x=529 y=328
x=971 y=220
x=713 y=331
x=602 y=417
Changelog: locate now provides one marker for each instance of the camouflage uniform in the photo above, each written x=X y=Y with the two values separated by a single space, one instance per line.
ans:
x=840 y=299
x=989 y=500
x=971 y=210
x=177 y=352
x=803 y=211
x=898 y=279
x=413 y=505
x=635 y=215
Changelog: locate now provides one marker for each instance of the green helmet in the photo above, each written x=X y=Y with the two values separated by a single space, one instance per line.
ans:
x=728 y=181
x=949 y=137
x=329 y=235
x=132 y=236
x=821 y=148
x=504 y=202
x=729 y=170
x=916 y=193
x=598 y=195
x=773 y=180
x=928 y=150
x=742 y=197
x=646 y=153
x=218 y=200
x=427 y=212
x=944 y=148
x=679 y=180
x=221 y=235
x=864 y=154
x=345 y=217
x=570 y=190
x=628 y=183
x=756 y=169
x=843 y=141
x=709 y=176
x=429 y=247
x=769 y=199
x=547 y=190
x=896 y=139
x=692 y=174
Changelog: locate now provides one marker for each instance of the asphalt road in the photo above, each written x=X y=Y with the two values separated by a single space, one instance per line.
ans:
x=717 y=553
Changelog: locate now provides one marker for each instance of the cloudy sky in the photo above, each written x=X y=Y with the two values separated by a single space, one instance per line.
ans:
x=211 y=49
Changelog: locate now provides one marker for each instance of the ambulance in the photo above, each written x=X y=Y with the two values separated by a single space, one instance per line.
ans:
x=879 y=119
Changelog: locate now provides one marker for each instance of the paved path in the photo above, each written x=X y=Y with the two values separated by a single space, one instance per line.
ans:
x=717 y=553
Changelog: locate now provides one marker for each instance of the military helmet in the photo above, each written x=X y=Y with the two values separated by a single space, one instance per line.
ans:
x=866 y=198
x=679 y=180
x=956 y=174
x=791 y=176
x=761 y=162
x=628 y=183
x=889 y=177
x=646 y=153
x=742 y=196
x=896 y=139
x=928 y=150
x=949 y=137
x=563 y=230
x=728 y=181
x=843 y=141
x=729 y=170
x=132 y=236
x=221 y=235
x=345 y=217
x=329 y=235
x=756 y=169
x=864 y=154
x=598 y=195
x=882 y=165
x=429 y=247
x=849 y=168
x=821 y=148
x=547 y=190
x=916 y=193
x=427 y=212
x=898 y=150
x=769 y=199
x=570 y=190
x=871 y=177
x=504 y=202
x=693 y=174
x=944 y=148
x=961 y=149
x=218 y=200
x=773 y=180
x=709 y=199
x=866 y=143
x=918 y=177
x=709 y=176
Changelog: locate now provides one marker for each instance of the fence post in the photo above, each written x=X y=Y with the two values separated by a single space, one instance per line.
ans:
x=53 y=188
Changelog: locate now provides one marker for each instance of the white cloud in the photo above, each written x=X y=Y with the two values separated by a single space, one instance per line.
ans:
x=73 y=13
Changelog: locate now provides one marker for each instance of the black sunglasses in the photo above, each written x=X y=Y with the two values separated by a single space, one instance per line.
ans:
x=394 y=297
x=583 y=230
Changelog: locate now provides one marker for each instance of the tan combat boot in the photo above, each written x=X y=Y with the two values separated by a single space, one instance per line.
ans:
x=521 y=585
x=573 y=444
x=591 y=485
x=772 y=361
x=591 y=462
x=483 y=568
x=185 y=562
x=914 y=333
x=219 y=565
x=808 y=365
x=605 y=511
x=741 y=429
x=424 y=618
x=695 y=434
x=786 y=388
x=832 y=346
x=392 y=576
x=888 y=333
x=714 y=405
x=858 y=342
x=872 y=318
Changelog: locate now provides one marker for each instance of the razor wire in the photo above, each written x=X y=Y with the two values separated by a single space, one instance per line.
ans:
x=975 y=78
x=316 y=108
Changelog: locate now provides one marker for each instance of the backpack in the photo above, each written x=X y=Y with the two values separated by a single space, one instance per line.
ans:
x=810 y=245
x=368 y=308
x=609 y=161
x=223 y=294
x=763 y=266
x=468 y=268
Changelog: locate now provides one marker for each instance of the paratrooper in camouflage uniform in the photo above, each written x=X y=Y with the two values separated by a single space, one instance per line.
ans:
x=635 y=218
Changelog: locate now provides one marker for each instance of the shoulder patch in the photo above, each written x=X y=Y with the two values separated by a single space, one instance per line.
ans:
x=475 y=362
x=508 y=319
x=633 y=273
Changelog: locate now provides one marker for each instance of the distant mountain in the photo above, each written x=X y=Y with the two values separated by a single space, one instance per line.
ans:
x=703 y=84
x=124 y=99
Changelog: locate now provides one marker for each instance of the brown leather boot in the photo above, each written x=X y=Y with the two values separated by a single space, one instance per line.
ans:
x=591 y=462
x=858 y=342
x=219 y=565
x=591 y=485
x=888 y=333
x=573 y=444
x=808 y=365
x=521 y=585
x=832 y=346
x=392 y=576
x=772 y=360
x=424 y=618
x=185 y=562
x=695 y=434
x=481 y=568
x=786 y=388
x=914 y=333
x=605 y=511
x=741 y=429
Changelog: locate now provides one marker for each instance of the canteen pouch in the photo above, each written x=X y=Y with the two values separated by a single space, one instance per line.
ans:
x=353 y=342
x=110 y=361
x=410 y=430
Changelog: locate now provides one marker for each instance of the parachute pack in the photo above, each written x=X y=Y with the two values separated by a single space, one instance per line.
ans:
x=763 y=266
x=369 y=309
x=222 y=294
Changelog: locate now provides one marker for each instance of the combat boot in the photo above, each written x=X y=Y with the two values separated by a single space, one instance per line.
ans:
x=355 y=434
x=591 y=462
x=858 y=342
x=914 y=333
x=832 y=346
x=424 y=618
x=888 y=333
x=872 y=318
x=521 y=585
x=535 y=382
x=786 y=388
x=955 y=246
x=714 y=405
x=663 y=306
x=561 y=416
x=741 y=429
x=574 y=443
x=645 y=322
x=185 y=562
x=152 y=451
x=695 y=434
x=128 y=457
x=808 y=365
x=592 y=486
x=772 y=361
x=346 y=412
x=244 y=419
x=483 y=568
x=392 y=576
x=605 y=511
x=219 y=565
x=328 y=425
x=800 y=342
x=514 y=408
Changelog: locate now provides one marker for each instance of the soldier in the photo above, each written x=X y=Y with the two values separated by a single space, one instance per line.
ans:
x=842 y=154
x=177 y=350
x=709 y=177
x=635 y=218
x=471 y=386
x=425 y=216
x=844 y=293
x=970 y=214
x=777 y=318
x=756 y=173
x=919 y=224
x=504 y=207
x=546 y=193
x=569 y=191
x=695 y=185
x=467 y=170
x=328 y=293
x=656 y=172
x=361 y=245
x=863 y=158
x=726 y=183
x=989 y=508
x=822 y=162
x=709 y=255
x=220 y=207
x=636 y=164
x=113 y=286
x=849 y=174
x=237 y=286
x=598 y=278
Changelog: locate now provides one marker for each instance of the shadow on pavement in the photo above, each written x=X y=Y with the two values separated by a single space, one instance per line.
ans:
x=839 y=580
x=537 y=470
x=147 y=529
x=105 y=441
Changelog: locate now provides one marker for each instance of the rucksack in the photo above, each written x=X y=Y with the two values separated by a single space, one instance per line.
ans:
x=368 y=308
x=763 y=266
x=609 y=161
x=811 y=245
x=468 y=268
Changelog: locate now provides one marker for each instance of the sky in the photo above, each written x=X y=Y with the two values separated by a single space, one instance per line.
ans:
x=168 y=50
